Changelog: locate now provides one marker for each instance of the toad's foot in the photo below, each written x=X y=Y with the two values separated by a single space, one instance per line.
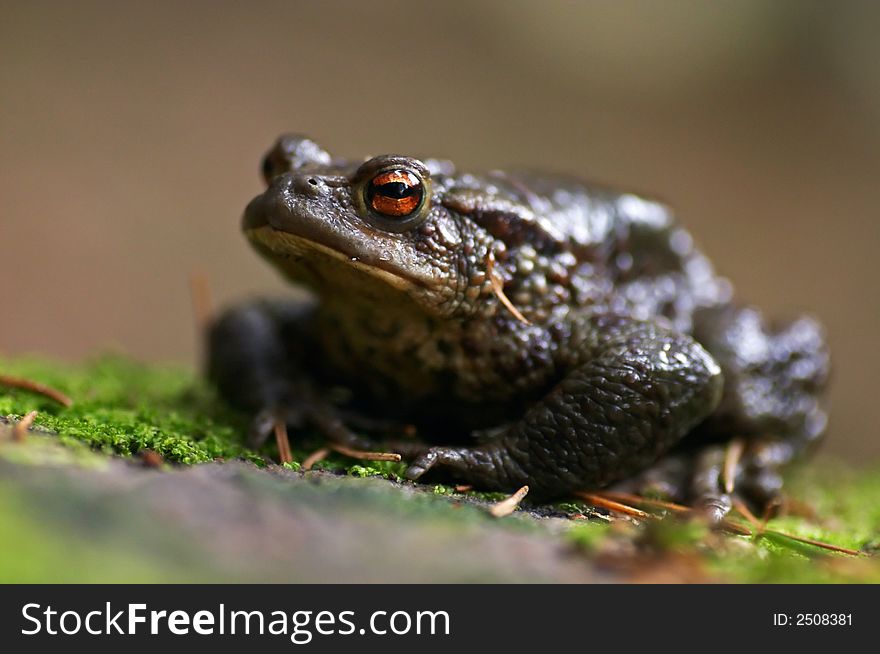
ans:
x=712 y=497
x=488 y=466
x=715 y=478
x=300 y=410
x=430 y=458
x=754 y=479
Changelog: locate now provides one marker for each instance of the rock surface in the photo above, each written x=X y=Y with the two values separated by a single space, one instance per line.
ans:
x=233 y=521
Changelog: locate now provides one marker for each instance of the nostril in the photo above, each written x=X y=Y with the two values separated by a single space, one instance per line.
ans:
x=309 y=184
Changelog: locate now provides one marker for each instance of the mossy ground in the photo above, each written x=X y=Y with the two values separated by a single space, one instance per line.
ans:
x=123 y=408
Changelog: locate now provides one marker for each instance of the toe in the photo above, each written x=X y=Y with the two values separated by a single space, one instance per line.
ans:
x=714 y=508
x=260 y=428
x=421 y=465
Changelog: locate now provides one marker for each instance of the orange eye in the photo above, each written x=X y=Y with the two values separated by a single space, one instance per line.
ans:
x=395 y=193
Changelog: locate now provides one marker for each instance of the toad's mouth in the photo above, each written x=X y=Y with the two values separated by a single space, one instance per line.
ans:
x=305 y=246
x=292 y=252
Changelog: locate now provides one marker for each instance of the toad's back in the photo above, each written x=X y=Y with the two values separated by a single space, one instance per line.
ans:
x=618 y=251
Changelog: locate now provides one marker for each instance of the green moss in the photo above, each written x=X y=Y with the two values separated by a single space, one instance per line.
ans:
x=123 y=408
x=385 y=469
x=845 y=507
x=572 y=509
x=587 y=535
x=844 y=511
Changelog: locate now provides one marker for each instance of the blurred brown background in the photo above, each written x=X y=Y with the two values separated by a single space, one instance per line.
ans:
x=130 y=138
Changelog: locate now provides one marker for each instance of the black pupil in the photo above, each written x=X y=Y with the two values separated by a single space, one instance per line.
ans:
x=396 y=190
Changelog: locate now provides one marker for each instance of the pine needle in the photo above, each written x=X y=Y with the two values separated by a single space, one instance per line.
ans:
x=19 y=431
x=35 y=387
x=732 y=456
x=508 y=505
x=498 y=289
x=730 y=526
x=628 y=498
x=604 y=502
x=284 y=454
x=740 y=506
x=314 y=457
x=364 y=456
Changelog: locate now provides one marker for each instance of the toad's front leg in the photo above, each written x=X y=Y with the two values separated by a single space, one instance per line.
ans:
x=634 y=393
x=258 y=357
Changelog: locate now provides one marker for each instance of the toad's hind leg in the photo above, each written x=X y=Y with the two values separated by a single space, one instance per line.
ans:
x=639 y=390
x=774 y=377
